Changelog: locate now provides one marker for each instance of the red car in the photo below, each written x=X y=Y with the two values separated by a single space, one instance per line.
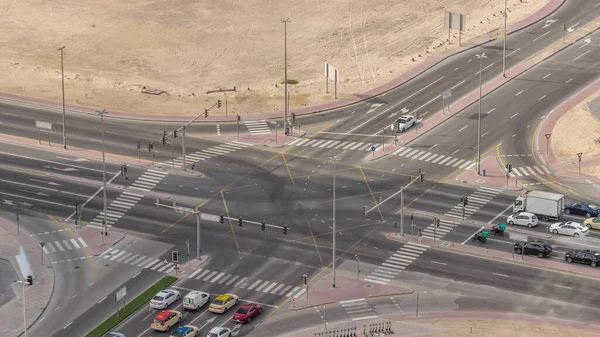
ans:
x=247 y=312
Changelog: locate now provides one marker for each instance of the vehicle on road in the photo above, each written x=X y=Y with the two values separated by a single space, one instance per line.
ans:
x=592 y=222
x=164 y=320
x=571 y=228
x=247 y=312
x=498 y=229
x=583 y=208
x=405 y=122
x=194 y=300
x=115 y=334
x=480 y=236
x=545 y=205
x=222 y=303
x=164 y=298
x=219 y=332
x=523 y=219
x=185 y=331
x=534 y=247
x=583 y=256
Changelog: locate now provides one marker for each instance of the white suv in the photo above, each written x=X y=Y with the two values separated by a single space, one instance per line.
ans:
x=164 y=298
x=523 y=219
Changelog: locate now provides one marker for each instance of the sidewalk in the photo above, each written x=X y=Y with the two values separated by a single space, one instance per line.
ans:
x=552 y=6
x=346 y=288
x=93 y=238
x=499 y=255
x=37 y=296
x=382 y=151
x=495 y=176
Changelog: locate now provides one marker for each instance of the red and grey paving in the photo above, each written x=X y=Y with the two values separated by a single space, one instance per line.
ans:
x=495 y=176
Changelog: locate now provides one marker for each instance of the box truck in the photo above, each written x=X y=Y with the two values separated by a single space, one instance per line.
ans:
x=546 y=205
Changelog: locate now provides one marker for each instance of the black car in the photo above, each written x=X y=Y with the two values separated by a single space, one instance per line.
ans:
x=583 y=256
x=535 y=247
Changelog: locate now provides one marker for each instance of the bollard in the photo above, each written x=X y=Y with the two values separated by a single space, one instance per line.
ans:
x=380 y=327
x=354 y=332
x=364 y=329
x=483 y=171
x=370 y=329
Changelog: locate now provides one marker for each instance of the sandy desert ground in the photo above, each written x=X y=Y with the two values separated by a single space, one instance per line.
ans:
x=186 y=48
x=566 y=143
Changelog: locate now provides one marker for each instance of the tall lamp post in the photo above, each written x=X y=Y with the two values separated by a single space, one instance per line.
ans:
x=24 y=312
x=285 y=80
x=504 y=50
x=104 y=225
x=62 y=72
x=334 y=159
x=480 y=57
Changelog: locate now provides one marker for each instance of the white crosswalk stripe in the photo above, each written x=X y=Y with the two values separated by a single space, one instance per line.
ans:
x=215 y=151
x=527 y=171
x=63 y=245
x=127 y=199
x=475 y=201
x=358 y=307
x=257 y=127
x=396 y=263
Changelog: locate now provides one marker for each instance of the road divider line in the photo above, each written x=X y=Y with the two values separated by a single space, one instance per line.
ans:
x=500 y=275
x=565 y=287
x=442 y=263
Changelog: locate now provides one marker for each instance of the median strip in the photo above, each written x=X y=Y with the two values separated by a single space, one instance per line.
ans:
x=132 y=307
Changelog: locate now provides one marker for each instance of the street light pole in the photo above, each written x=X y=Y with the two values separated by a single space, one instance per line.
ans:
x=62 y=71
x=504 y=51
x=286 y=103
x=198 y=235
x=357 y=267
x=104 y=225
x=24 y=312
x=333 y=223
x=402 y=211
x=480 y=57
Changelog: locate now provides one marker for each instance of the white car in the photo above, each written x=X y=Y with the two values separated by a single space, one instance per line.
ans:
x=523 y=219
x=219 y=332
x=164 y=298
x=405 y=122
x=569 y=228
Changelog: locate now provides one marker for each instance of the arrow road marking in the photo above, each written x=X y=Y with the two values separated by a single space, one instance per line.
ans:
x=585 y=43
x=45 y=182
x=548 y=23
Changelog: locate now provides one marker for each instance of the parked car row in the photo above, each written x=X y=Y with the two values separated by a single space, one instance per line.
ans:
x=194 y=300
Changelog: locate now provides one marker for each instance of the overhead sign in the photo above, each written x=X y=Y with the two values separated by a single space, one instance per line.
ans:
x=43 y=125
x=183 y=209
x=121 y=293
x=210 y=217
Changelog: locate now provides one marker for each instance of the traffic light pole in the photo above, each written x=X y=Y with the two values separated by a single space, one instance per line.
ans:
x=188 y=211
x=183 y=146
x=197 y=235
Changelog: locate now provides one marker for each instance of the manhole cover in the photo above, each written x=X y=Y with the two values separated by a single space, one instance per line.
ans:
x=368 y=286
x=76 y=267
x=107 y=265
x=446 y=244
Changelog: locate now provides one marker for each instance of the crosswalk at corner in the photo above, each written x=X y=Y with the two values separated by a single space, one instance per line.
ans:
x=530 y=171
x=62 y=245
x=476 y=200
x=358 y=309
x=396 y=263
x=127 y=199
x=258 y=127
x=432 y=232
x=215 y=151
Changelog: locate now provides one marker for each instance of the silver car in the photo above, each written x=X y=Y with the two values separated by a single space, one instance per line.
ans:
x=523 y=219
x=164 y=298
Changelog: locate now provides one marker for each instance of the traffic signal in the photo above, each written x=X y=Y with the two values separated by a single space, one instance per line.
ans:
x=175 y=256
x=123 y=170
x=412 y=217
x=293 y=117
x=263 y=225
x=29 y=279
x=422 y=177
x=437 y=222
x=164 y=139
x=139 y=145
x=205 y=113
x=174 y=133
x=395 y=224
x=240 y=221
x=365 y=210
x=239 y=118
x=420 y=171
x=77 y=209
x=409 y=179
x=305 y=279
x=285 y=229
x=218 y=103
x=509 y=167
x=221 y=218
x=464 y=200
x=149 y=147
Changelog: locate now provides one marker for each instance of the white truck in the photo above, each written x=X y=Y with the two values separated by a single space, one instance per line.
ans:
x=545 y=205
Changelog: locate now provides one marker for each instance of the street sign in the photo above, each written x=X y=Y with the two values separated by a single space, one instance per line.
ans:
x=183 y=209
x=165 y=261
x=548 y=135
x=121 y=293
x=447 y=94
x=193 y=166
x=43 y=125
x=579 y=155
x=373 y=148
x=210 y=217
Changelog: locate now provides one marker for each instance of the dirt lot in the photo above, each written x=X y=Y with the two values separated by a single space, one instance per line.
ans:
x=566 y=143
x=186 y=48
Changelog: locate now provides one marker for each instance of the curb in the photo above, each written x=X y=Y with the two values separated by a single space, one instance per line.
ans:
x=361 y=97
x=370 y=297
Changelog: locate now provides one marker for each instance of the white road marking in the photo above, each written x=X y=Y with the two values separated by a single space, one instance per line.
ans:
x=547 y=75
x=520 y=92
x=516 y=50
x=541 y=36
x=500 y=274
x=442 y=263
x=490 y=111
x=464 y=127
x=541 y=98
x=569 y=80
x=513 y=116
x=364 y=317
x=582 y=55
x=472 y=235
x=558 y=285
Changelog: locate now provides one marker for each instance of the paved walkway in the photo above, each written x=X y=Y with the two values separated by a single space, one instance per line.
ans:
x=405 y=77
x=495 y=175
x=37 y=295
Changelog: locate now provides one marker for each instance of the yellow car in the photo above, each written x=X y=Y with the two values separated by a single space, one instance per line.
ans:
x=592 y=223
x=222 y=303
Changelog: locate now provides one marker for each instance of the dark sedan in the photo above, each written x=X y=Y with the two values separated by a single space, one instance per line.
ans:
x=535 y=247
x=583 y=208
x=583 y=256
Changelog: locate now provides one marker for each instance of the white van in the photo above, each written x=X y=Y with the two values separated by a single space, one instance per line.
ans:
x=194 y=300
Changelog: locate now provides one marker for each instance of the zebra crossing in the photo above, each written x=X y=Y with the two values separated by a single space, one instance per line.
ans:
x=257 y=127
x=236 y=281
x=530 y=171
x=358 y=307
x=63 y=245
x=476 y=200
x=402 y=151
x=396 y=263
x=219 y=150
x=435 y=233
x=127 y=199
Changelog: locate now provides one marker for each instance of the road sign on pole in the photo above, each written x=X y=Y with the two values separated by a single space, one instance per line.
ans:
x=373 y=148
x=579 y=157
x=193 y=166
x=547 y=142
